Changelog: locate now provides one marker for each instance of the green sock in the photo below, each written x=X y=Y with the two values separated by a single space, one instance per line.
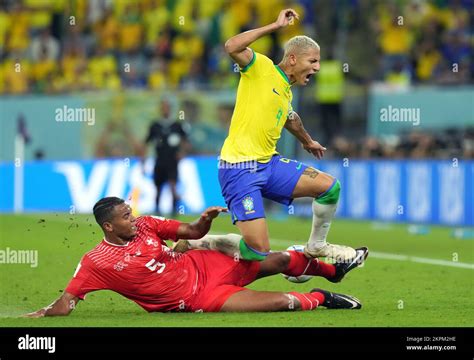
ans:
x=247 y=253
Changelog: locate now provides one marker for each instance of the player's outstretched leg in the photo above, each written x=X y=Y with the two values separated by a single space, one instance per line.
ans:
x=291 y=263
x=338 y=301
x=250 y=300
x=226 y=243
x=232 y=244
x=325 y=189
x=295 y=263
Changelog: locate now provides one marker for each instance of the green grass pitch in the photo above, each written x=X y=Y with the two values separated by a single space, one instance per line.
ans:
x=396 y=287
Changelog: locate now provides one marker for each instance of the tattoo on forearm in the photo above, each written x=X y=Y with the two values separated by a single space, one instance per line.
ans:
x=294 y=119
x=295 y=126
x=311 y=172
x=206 y=245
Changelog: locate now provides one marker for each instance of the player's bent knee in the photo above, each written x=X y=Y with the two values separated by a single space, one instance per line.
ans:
x=331 y=195
x=282 y=260
x=275 y=263
x=249 y=253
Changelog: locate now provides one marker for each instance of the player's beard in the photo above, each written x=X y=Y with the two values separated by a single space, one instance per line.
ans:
x=127 y=239
x=130 y=235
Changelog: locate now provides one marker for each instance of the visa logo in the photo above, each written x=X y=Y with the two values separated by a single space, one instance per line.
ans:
x=87 y=183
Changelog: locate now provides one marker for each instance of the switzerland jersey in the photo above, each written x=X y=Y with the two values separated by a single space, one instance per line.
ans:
x=262 y=106
x=144 y=270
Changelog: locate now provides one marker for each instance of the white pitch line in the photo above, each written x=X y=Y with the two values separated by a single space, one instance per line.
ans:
x=400 y=257
x=442 y=262
x=421 y=260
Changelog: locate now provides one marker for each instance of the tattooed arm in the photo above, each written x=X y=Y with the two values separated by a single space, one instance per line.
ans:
x=295 y=126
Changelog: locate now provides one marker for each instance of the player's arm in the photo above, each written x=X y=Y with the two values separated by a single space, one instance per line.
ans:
x=201 y=226
x=295 y=126
x=185 y=148
x=61 y=307
x=237 y=46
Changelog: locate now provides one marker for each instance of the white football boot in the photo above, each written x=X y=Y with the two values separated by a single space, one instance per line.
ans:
x=340 y=253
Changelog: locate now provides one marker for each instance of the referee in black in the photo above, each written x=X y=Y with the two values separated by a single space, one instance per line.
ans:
x=170 y=139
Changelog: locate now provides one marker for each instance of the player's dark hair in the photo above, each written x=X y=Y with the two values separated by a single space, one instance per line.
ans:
x=104 y=208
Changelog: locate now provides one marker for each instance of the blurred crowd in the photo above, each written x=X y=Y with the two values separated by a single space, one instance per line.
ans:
x=57 y=46
x=62 y=46
x=449 y=144
x=425 y=41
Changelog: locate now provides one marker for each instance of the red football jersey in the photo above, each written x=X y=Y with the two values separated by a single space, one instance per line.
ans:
x=145 y=270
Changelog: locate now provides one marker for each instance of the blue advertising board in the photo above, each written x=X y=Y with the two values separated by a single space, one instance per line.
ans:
x=421 y=192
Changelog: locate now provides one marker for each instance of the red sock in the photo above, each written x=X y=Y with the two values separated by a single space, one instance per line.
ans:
x=300 y=264
x=309 y=301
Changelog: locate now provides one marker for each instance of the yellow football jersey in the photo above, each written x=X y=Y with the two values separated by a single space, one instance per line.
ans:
x=262 y=106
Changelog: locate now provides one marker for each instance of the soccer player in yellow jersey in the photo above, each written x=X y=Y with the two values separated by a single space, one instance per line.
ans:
x=250 y=167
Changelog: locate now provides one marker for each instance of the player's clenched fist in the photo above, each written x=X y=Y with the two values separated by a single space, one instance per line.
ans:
x=286 y=16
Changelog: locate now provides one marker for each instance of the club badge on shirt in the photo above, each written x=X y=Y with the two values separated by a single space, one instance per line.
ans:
x=119 y=266
x=150 y=241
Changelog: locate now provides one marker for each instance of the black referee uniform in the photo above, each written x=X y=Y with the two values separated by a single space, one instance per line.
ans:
x=168 y=137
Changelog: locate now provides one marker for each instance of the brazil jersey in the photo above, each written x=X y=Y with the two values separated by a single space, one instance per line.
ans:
x=262 y=106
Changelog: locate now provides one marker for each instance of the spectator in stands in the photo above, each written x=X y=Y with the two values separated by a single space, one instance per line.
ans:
x=371 y=148
x=329 y=95
x=456 y=53
x=342 y=148
x=106 y=31
x=103 y=70
x=395 y=38
x=133 y=67
x=16 y=82
x=117 y=140
x=423 y=147
x=157 y=73
x=17 y=37
x=42 y=68
x=44 y=47
x=427 y=61
x=399 y=75
x=468 y=144
x=174 y=45
x=431 y=35
x=130 y=32
x=194 y=79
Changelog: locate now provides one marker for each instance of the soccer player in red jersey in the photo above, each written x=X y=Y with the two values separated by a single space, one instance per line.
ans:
x=134 y=261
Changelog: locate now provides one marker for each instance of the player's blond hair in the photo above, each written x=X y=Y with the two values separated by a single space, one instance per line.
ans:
x=298 y=45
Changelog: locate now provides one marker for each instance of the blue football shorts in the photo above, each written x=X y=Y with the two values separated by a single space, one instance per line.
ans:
x=244 y=185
